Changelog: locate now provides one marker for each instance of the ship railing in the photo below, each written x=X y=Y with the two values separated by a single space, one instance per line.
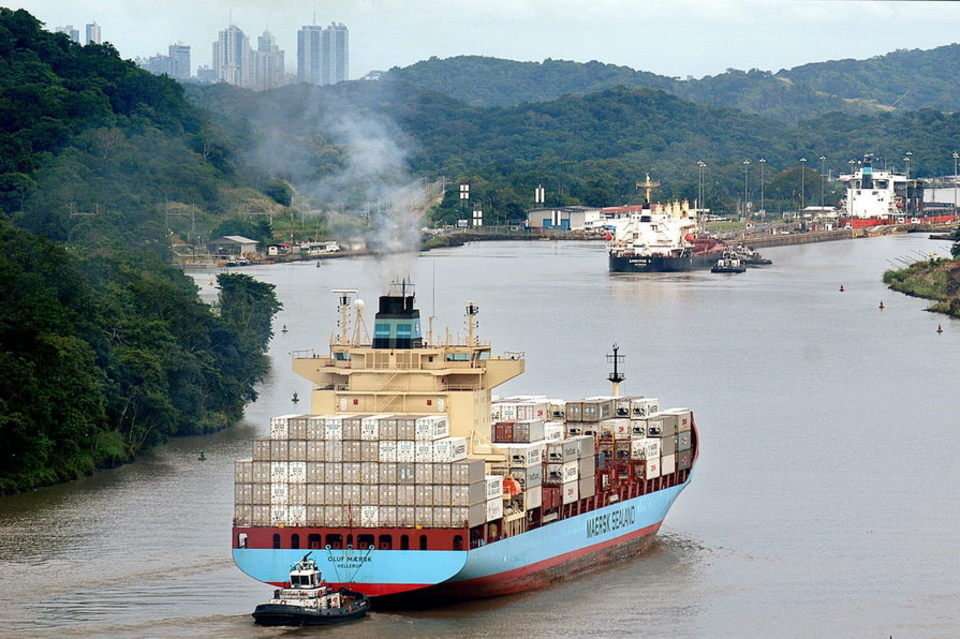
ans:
x=306 y=353
x=334 y=387
x=512 y=355
x=461 y=387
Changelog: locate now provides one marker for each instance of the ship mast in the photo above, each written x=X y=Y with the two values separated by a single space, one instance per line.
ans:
x=648 y=186
x=615 y=375
x=344 y=302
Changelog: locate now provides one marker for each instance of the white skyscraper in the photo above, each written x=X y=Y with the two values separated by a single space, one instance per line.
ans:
x=93 y=34
x=323 y=54
x=232 y=58
x=180 y=61
x=268 y=63
x=74 y=34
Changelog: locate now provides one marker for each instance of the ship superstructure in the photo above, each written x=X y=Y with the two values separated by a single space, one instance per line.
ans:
x=876 y=196
x=407 y=479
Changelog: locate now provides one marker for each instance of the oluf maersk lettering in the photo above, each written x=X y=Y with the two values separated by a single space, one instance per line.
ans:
x=611 y=521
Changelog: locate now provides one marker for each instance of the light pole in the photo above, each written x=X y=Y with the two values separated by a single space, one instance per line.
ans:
x=701 y=165
x=956 y=157
x=746 y=191
x=906 y=187
x=823 y=169
x=803 y=175
x=763 y=209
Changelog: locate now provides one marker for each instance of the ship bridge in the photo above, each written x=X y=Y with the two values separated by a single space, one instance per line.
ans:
x=401 y=372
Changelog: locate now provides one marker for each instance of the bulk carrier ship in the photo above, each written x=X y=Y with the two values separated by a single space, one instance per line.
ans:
x=661 y=238
x=407 y=481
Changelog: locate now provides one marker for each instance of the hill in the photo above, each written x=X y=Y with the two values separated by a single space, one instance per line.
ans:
x=106 y=348
x=585 y=149
x=902 y=79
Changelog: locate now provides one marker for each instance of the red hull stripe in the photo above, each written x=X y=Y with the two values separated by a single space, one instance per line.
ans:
x=512 y=581
x=371 y=590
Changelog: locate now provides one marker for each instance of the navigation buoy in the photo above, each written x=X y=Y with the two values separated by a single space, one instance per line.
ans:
x=841 y=288
x=203 y=456
x=284 y=329
x=295 y=399
x=939 y=329
x=881 y=305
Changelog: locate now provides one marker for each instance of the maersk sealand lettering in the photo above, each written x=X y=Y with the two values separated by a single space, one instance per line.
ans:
x=611 y=521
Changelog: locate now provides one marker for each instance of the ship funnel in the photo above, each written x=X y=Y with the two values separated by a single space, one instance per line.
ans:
x=615 y=376
x=397 y=323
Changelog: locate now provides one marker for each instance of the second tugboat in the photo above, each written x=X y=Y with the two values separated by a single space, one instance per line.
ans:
x=309 y=601
x=729 y=263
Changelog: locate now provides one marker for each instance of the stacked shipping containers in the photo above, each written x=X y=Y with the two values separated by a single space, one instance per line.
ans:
x=360 y=471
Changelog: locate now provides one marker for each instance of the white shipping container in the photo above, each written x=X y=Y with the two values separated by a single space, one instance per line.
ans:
x=315 y=451
x=654 y=427
x=449 y=449
x=570 y=471
x=423 y=473
x=406 y=516
x=316 y=495
x=297 y=472
x=653 y=448
x=388 y=473
x=370 y=427
x=279 y=426
x=316 y=472
x=333 y=473
x=388 y=451
x=333 y=429
x=406 y=451
x=333 y=516
x=423 y=452
x=262 y=471
x=442 y=473
x=571 y=449
x=297 y=515
x=388 y=516
x=315 y=428
x=526 y=454
x=442 y=495
x=351 y=494
x=333 y=494
x=553 y=431
x=644 y=406
x=278 y=471
x=587 y=487
x=369 y=473
x=653 y=467
x=261 y=450
x=243 y=471
x=279 y=493
x=333 y=451
x=532 y=498
x=431 y=427
x=261 y=515
x=528 y=476
x=315 y=516
x=494 y=509
x=638 y=428
x=243 y=515
x=296 y=494
x=570 y=490
x=638 y=449
x=586 y=446
x=369 y=495
x=441 y=516
x=351 y=472
x=388 y=495
x=467 y=471
x=423 y=516
x=668 y=464
x=406 y=495
x=278 y=515
x=261 y=494
x=243 y=494
x=494 y=486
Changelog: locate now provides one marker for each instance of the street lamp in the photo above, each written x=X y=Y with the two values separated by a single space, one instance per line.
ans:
x=956 y=156
x=763 y=210
x=906 y=187
x=701 y=165
x=803 y=175
x=823 y=169
x=746 y=171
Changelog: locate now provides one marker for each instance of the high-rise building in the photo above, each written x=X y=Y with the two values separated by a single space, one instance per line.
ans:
x=268 y=63
x=232 y=58
x=180 y=61
x=70 y=31
x=206 y=75
x=93 y=34
x=323 y=54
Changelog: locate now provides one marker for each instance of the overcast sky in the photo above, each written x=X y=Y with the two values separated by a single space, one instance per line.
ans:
x=673 y=37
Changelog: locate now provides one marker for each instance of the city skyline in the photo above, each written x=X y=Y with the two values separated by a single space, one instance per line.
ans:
x=729 y=34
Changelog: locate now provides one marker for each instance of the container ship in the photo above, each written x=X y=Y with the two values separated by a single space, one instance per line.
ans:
x=408 y=480
x=661 y=238
x=876 y=197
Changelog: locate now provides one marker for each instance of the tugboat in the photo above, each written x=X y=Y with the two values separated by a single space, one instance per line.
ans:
x=729 y=263
x=309 y=601
x=751 y=257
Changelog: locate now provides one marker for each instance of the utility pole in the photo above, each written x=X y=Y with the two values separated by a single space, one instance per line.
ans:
x=763 y=209
x=746 y=191
x=956 y=157
x=803 y=175
x=701 y=165
x=823 y=170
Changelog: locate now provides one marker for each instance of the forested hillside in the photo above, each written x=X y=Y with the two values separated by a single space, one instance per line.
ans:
x=583 y=149
x=906 y=80
x=106 y=348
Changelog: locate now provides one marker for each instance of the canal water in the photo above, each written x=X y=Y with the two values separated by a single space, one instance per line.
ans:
x=824 y=503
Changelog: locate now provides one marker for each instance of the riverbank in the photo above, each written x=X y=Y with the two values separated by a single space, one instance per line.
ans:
x=935 y=279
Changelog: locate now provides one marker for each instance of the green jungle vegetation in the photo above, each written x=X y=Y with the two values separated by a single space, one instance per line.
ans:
x=904 y=79
x=934 y=279
x=107 y=348
x=587 y=150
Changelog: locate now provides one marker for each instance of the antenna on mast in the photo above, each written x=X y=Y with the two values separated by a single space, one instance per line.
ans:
x=345 y=298
x=615 y=375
